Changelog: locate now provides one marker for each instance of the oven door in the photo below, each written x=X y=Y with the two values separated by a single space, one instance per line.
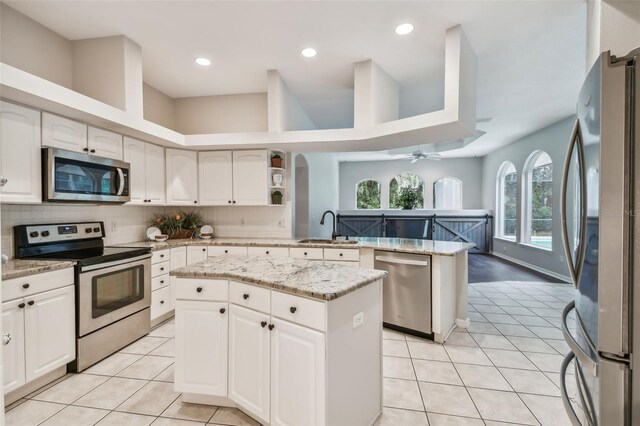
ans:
x=111 y=291
x=72 y=176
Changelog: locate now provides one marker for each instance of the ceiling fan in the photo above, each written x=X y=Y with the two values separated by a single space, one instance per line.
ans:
x=415 y=156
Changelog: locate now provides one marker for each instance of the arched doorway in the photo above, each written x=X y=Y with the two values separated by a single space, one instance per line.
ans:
x=301 y=217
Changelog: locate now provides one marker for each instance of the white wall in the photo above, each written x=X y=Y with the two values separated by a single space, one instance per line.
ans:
x=30 y=46
x=468 y=170
x=323 y=191
x=158 y=107
x=221 y=114
x=554 y=140
x=612 y=25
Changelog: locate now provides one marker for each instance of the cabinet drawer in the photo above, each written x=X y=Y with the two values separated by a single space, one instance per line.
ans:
x=249 y=296
x=202 y=289
x=161 y=302
x=306 y=253
x=268 y=251
x=26 y=286
x=307 y=312
x=161 y=268
x=342 y=262
x=232 y=250
x=160 y=281
x=342 y=254
x=160 y=256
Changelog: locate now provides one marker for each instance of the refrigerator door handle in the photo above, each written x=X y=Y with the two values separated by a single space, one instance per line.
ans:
x=584 y=359
x=575 y=269
x=566 y=401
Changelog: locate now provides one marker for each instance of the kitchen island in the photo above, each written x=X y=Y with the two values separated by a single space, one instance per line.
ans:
x=288 y=341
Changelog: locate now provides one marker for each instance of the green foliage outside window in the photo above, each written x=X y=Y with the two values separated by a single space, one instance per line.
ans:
x=401 y=186
x=510 y=189
x=542 y=200
x=368 y=194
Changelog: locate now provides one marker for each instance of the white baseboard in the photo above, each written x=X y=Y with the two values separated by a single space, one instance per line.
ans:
x=531 y=266
x=463 y=323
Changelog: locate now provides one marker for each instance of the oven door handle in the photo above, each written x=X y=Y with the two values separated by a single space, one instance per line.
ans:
x=114 y=263
x=121 y=180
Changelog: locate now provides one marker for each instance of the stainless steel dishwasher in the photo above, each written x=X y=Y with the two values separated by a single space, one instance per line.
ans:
x=406 y=299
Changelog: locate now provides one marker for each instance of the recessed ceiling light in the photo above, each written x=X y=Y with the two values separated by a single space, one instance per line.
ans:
x=203 y=61
x=404 y=29
x=309 y=52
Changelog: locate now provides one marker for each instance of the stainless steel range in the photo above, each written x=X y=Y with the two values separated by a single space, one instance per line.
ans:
x=113 y=284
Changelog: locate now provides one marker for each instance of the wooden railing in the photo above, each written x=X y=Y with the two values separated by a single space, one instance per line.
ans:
x=461 y=228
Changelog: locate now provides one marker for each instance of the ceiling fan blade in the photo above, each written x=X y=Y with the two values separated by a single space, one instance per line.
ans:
x=414 y=160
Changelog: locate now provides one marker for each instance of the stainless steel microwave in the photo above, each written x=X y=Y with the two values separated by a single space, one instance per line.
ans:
x=69 y=176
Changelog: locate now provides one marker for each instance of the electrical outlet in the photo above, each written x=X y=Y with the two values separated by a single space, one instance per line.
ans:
x=114 y=225
x=358 y=319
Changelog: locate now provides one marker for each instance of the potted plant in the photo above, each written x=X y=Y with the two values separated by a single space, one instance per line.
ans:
x=180 y=225
x=408 y=198
x=276 y=161
x=276 y=197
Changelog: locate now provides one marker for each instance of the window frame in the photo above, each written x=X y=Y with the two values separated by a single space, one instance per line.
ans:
x=451 y=178
x=379 y=192
x=527 y=201
x=503 y=171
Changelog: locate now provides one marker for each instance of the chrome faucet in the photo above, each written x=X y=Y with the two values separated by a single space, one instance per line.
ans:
x=334 y=233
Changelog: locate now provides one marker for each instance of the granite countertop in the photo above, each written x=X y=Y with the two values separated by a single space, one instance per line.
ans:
x=15 y=268
x=404 y=245
x=303 y=277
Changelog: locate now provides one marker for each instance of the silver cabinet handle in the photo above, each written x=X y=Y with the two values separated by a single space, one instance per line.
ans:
x=6 y=338
x=121 y=178
x=391 y=259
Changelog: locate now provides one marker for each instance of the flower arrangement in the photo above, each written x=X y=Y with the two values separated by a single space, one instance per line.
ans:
x=180 y=225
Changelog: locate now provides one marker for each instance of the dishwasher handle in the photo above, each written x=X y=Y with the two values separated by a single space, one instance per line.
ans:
x=391 y=259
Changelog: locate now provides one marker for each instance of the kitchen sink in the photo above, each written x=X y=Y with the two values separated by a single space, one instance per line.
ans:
x=327 y=241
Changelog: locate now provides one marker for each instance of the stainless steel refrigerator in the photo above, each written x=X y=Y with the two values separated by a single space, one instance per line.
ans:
x=600 y=205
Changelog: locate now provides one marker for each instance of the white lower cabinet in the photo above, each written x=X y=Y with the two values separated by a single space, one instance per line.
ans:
x=178 y=260
x=297 y=374
x=42 y=332
x=202 y=336
x=196 y=254
x=249 y=360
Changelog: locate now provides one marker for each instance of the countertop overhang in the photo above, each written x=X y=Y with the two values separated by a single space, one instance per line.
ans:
x=16 y=268
x=303 y=277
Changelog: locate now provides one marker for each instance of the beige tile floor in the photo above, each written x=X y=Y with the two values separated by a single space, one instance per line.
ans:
x=504 y=369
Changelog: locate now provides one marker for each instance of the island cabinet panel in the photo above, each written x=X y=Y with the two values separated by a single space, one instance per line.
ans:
x=202 y=333
x=216 y=178
x=13 y=350
x=250 y=296
x=300 y=310
x=297 y=374
x=249 y=360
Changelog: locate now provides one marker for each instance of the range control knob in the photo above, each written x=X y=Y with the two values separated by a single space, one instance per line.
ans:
x=88 y=230
x=96 y=229
x=34 y=234
x=45 y=233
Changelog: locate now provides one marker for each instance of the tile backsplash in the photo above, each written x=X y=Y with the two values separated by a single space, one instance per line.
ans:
x=132 y=221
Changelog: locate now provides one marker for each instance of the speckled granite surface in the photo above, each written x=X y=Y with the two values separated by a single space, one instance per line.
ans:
x=404 y=245
x=19 y=268
x=303 y=277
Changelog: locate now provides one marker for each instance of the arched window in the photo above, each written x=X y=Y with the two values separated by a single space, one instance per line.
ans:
x=538 y=200
x=447 y=193
x=506 y=199
x=406 y=191
x=368 y=194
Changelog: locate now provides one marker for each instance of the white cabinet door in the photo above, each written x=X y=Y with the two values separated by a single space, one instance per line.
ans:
x=135 y=154
x=178 y=260
x=182 y=177
x=216 y=178
x=250 y=177
x=155 y=178
x=49 y=331
x=196 y=254
x=249 y=360
x=297 y=374
x=20 y=154
x=202 y=332
x=104 y=143
x=13 y=352
x=59 y=132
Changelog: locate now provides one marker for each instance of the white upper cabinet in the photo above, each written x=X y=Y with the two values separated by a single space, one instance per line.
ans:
x=20 y=154
x=155 y=174
x=146 y=181
x=182 y=177
x=104 y=143
x=216 y=178
x=59 y=132
x=250 y=177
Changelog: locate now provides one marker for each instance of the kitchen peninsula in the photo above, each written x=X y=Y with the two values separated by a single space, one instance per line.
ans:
x=288 y=341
